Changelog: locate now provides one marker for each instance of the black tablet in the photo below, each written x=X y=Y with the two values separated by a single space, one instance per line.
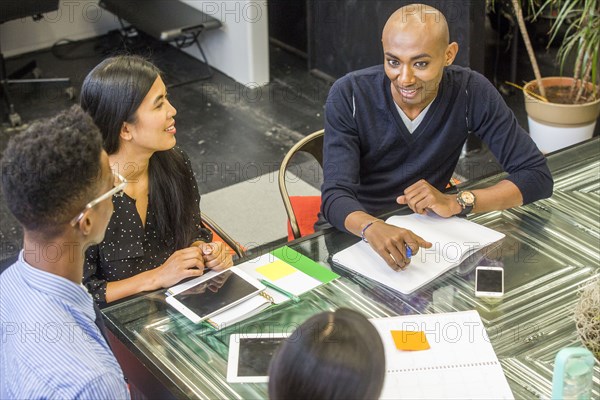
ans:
x=216 y=294
x=250 y=355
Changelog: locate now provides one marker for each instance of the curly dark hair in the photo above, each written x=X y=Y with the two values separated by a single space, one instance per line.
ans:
x=51 y=170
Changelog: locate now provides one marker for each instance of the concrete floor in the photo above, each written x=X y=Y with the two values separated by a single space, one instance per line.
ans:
x=235 y=135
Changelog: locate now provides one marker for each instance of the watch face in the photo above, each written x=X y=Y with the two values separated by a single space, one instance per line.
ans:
x=467 y=198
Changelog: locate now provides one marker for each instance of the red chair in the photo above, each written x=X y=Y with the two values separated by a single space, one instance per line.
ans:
x=302 y=211
x=306 y=210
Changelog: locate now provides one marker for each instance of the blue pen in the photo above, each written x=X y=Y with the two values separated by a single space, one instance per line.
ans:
x=284 y=292
x=408 y=251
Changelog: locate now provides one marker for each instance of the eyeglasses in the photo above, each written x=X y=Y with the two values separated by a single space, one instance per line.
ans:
x=119 y=188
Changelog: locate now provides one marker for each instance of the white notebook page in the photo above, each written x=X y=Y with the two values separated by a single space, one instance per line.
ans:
x=461 y=363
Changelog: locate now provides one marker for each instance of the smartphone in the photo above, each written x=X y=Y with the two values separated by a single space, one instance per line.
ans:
x=489 y=281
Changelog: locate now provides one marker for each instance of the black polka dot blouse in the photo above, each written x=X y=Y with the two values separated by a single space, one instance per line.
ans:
x=130 y=248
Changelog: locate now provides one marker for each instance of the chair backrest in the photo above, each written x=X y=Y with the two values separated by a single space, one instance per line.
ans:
x=313 y=145
x=212 y=225
x=15 y=9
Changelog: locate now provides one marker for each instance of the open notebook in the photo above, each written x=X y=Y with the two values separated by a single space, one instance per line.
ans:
x=454 y=240
x=284 y=268
x=459 y=364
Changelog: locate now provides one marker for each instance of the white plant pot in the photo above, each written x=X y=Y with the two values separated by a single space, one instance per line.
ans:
x=554 y=126
x=549 y=137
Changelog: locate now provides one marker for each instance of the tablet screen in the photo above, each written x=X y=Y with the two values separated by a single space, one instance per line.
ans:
x=255 y=355
x=222 y=290
x=249 y=356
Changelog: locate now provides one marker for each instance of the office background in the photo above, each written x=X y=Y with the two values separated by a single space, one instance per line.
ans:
x=274 y=63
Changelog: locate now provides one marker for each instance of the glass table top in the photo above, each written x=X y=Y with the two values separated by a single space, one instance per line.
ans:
x=550 y=250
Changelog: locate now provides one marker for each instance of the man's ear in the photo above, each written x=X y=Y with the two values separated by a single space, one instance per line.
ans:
x=85 y=224
x=450 y=53
x=125 y=133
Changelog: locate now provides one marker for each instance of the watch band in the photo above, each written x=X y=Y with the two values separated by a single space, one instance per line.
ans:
x=465 y=211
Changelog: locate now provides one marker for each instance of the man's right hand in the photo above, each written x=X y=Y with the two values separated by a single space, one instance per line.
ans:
x=390 y=241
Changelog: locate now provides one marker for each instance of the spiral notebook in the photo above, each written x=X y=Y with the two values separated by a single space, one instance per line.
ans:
x=460 y=362
x=454 y=240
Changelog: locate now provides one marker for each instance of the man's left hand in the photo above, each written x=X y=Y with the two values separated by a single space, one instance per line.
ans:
x=422 y=197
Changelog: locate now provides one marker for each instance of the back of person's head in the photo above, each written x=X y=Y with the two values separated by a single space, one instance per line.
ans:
x=333 y=355
x=113 y=91
x=51 y=170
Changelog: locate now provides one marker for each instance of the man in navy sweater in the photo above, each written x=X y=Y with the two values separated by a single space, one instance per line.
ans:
x=394 y=134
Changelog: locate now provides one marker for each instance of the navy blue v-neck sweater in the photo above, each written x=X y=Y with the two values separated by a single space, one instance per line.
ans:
x=370 y=157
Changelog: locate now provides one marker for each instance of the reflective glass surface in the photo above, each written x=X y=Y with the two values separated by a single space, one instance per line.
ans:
x=551 y=249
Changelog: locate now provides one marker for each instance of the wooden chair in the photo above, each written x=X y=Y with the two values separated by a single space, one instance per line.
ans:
x=308 y=205
x=219 y=233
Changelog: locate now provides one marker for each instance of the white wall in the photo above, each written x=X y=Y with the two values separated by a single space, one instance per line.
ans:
x=240 y=48
x=74 y=20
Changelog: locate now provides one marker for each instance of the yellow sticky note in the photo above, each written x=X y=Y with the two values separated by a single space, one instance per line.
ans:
x=410 y=340
x=276 y=270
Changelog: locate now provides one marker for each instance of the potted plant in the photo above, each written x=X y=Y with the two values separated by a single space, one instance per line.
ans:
x=587 y=316
x=564 y=110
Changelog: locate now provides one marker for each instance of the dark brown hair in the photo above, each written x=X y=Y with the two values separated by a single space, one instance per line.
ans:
x=333 y=355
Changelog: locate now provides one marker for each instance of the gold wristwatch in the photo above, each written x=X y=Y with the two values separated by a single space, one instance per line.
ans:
x=466 y=199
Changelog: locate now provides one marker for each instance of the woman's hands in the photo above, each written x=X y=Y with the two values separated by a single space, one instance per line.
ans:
x=190 y=262
x=184 y=263
x=215 y=256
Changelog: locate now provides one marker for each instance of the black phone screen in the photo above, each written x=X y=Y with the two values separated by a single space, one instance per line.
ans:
x=489 y=280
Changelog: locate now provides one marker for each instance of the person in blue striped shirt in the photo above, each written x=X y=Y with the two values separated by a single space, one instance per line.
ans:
x=57 y=182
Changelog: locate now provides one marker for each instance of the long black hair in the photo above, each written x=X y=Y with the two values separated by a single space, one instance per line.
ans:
x=333 y=355
x=112 y=93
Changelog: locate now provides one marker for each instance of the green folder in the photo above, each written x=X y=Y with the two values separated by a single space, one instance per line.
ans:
x=305 y=264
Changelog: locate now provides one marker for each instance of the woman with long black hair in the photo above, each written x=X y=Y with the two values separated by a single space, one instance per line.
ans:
x=155 y=237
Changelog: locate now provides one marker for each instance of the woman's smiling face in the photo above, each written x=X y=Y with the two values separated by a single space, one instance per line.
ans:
x=154 y=126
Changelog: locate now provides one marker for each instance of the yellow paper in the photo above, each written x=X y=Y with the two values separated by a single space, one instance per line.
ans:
x=410 y=340
x=276 y=270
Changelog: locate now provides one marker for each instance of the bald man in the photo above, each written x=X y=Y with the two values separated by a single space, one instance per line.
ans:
x=394 y=134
